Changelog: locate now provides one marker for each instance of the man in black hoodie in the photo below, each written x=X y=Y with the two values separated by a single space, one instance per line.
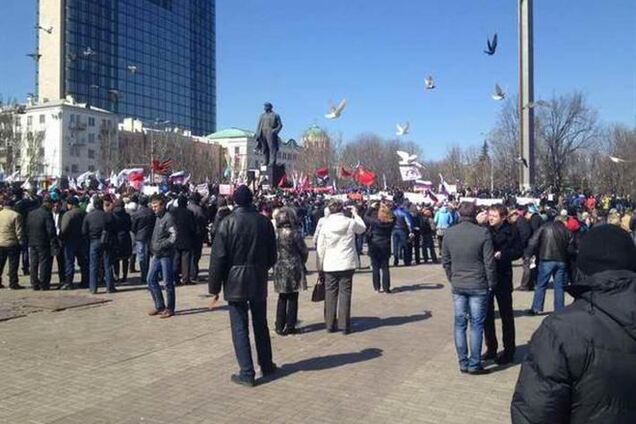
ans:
x=580 y=367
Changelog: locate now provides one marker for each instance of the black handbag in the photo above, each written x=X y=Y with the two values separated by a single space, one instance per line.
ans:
x=318 y=294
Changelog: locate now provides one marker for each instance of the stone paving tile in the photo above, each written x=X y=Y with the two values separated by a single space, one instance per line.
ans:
x=114 y=364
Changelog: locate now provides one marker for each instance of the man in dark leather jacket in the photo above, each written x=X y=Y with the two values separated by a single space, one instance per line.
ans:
x=164 y=236
x=550 y=246
x=243 y=251
x=580 y=365
x=143 y=222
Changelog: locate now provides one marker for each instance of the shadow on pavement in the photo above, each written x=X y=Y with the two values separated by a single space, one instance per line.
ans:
x=361 y=324
x=321 y=363
x=415 y=287
x=195 y=311
x=520 y=354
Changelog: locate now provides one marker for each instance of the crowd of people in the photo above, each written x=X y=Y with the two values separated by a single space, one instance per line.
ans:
x=582 y=244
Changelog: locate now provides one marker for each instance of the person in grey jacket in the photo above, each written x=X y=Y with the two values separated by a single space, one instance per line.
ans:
x=469 y=262
x=164 y=236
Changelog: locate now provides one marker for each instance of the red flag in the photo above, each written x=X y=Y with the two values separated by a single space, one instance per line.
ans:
x=322 y=172
x=344 y=173
x=364 y=176
x=283 y=181
x=136 y=179
x=164 y=167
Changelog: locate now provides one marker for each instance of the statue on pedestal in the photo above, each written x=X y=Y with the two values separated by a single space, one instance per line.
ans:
x=269 y=125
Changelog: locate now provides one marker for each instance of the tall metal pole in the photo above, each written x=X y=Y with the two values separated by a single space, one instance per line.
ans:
x=526 y=93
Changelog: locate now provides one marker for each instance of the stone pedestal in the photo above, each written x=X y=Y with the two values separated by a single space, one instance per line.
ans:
x=274 y=174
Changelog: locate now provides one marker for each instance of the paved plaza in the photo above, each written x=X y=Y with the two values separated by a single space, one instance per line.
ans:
x=111 y=363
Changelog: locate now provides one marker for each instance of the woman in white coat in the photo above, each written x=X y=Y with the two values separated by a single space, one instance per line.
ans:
x=338 y=259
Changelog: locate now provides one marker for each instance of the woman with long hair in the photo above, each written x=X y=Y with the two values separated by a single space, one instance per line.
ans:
x=381 y=222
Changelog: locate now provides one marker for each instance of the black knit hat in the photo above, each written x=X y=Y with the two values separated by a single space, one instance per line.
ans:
x=243 y=196
x=604 y=248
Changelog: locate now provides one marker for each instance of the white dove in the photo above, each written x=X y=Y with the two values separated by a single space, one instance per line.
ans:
x=499 y=94
x=336 y=111
x=617 y=160
x=406 y=158
x=430 y=83
x=402 y=129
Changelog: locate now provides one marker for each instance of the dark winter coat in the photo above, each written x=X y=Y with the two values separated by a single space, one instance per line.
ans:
x=550 y=243
x=96 y=222
x=524 y=229
x=467 y=256
x=122 y=225
x=40 y=228
x=289 y=271
x=186 y=227
x=200 y=219
x=221 y=214
x=581 y=367
x=143 y=222
x=164 y=236
x=243 y=251
x=71 y=225
x=379 y=237
x=506 y=240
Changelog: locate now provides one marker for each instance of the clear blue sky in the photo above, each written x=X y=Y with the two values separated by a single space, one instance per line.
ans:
x=300 y=55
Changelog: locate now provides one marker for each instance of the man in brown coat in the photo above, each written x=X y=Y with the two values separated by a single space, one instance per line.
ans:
x=11 y=237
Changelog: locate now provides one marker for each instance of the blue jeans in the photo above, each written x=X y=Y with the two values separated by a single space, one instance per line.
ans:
x=399 y=244
x=239 y=324
x=99 y=258
x=471 y=307
x=547 y=269
x=163 y=264
x=142 y=255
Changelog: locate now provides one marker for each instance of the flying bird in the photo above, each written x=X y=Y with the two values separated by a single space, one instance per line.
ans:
x=402 y=129
x=88 y=52
x=430 y=83
x=34 y=56
x=499 y=94
x=406 y=158
x=617 y=160
x=522 y=160
x=48 y=30
x=336 y=111
x=132 y=69
x=491 y=46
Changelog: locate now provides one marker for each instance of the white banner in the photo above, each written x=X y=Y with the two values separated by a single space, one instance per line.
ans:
x=482 y=202
x=410 y=173
x=527 y=201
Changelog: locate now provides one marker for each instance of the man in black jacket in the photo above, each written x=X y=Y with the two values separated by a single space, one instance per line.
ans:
x=143 y=222
x=580 y=367
x=507 y=247
x=41 y=235
x=97 y=227
x=73 y=242
x=164 y=236
x=244 y=250
x=186 y=235
x=469 y=262
x=550 y=246
x=201 y=221
x=525 y=229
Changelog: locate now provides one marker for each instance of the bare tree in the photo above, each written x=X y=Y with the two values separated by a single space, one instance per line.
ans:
x=566 y=126
x=504 y=146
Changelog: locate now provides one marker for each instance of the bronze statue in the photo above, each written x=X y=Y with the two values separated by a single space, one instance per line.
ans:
x=269 y=125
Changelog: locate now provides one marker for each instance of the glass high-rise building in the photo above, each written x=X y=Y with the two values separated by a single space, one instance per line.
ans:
x=152 y=60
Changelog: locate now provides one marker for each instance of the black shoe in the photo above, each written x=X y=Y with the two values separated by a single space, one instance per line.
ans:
x=281 y=332
x=292 y=331
x=478 y=371
x=113 y=290
x=505 y=358
x=331 y=330
x=237 y=379
x=269 y=370
x=531 y=312
x=16 y=287
x=489 y=356
x=65 y=287
x=387 y=291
